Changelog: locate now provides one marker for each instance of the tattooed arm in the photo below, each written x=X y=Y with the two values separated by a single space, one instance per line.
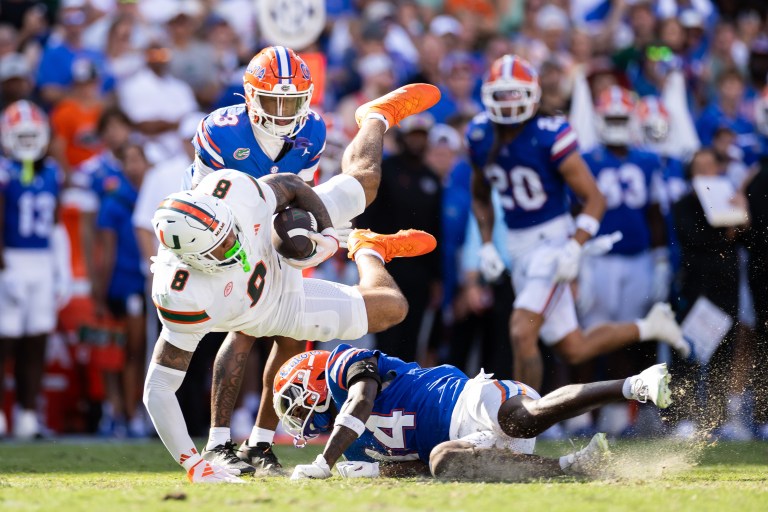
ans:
x=170 y=356
x=290 y=190
x=228 y=372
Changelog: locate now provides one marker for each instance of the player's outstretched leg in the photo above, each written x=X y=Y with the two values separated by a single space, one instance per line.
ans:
x=346 y=195
x=524 y=417
x=384 y=302
x=658 y=325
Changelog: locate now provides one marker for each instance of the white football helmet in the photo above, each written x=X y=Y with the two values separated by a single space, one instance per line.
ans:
x=192 y=224
x=616 y=117
x=511 y=93
x=654 y=120
x=25 y=131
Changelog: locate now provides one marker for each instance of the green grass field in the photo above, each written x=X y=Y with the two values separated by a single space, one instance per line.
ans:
x=67 y=476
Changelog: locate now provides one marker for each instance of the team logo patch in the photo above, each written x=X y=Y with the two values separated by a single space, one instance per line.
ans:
x=228 y=289
x=286 y=369
x=304 y=71
x=285 y=88
x=274 y=169
x=111 y=183
x=256 y=70
x=476 y=134
x=241 y=153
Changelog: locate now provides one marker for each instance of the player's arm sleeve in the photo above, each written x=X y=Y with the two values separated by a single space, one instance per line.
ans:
x=311 y=165
x=564 y=144
x=184 y=323
x=199 y=171
x=658 y=188
x=207 y=151
x=342 y=369
x=106 y=218
x=477 y=145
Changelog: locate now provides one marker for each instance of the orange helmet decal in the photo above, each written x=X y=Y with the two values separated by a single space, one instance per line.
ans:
x=616 y=101
x=24 y=131
x=617 y=116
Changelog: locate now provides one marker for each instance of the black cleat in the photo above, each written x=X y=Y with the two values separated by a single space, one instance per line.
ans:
x=260 y=456
x=224 y=455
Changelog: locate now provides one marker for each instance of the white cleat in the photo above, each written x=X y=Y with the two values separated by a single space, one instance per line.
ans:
x=661 y=325
x=589 y=460
x=25 y=425
x=205 y=472
x=652 y=384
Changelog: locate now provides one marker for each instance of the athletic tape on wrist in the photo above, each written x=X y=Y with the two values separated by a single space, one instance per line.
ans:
x=588 y=223
x=352 y=423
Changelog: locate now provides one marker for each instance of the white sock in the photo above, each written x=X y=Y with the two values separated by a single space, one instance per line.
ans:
x=626 y=389
x=644 y=328
x=217 y=436
x=261 y=435
x=369 y=252
x=374 y=115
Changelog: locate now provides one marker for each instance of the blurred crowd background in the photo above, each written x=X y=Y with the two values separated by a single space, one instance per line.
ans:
x=125 y=84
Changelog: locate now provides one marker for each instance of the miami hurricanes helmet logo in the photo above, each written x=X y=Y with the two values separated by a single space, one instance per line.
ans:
x=176 y=241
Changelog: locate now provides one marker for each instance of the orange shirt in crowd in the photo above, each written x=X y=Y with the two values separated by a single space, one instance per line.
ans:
x=75 y=124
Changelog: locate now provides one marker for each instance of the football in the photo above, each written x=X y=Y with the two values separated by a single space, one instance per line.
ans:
x=289 y=233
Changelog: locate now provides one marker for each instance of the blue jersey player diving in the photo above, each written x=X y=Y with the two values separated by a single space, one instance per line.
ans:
x=388 y=417
x=531 y=159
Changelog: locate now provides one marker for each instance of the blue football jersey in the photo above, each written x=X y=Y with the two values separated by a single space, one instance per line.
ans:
x=412 y=413
x=225 y=140
x=101 y=174
x=628 y=186
x=115 y=214
x=30 y=208
x=525 y=171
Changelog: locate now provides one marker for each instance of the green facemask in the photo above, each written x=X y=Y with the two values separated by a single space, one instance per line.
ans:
x=239 y=251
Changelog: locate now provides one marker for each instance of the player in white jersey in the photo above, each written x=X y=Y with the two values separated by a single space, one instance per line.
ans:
x=217 y=270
